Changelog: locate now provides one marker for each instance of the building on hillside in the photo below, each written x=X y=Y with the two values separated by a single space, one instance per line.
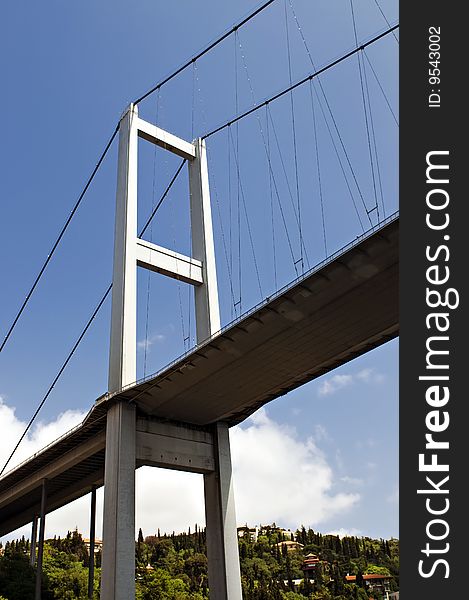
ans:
x=98 y=544
x=290 y=545
x=310 y=563
x=295 y=582
x=249 y=532
x=257 y=530
x=270 y=529
x=373 y=582
x=287 y=534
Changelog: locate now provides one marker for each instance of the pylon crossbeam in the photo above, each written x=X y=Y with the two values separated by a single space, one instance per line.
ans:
x=168 y=141
x=175 y=446
x=170 y=263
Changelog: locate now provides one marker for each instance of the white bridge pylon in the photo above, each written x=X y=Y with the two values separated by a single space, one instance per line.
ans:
x=129 y=439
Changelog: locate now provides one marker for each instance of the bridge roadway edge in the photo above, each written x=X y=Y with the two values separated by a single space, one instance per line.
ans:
x=74 y=463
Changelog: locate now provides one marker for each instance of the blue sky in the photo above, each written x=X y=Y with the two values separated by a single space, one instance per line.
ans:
x=68 y=72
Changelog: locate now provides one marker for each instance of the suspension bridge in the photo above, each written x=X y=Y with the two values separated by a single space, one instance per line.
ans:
x=322 y=314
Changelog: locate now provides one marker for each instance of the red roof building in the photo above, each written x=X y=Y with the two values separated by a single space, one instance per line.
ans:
x=310 y=564
x=374 y=582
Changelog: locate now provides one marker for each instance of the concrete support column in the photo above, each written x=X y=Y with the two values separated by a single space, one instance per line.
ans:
x=40 y=549
x=123 y=345
x=118 y=564
x=207 y=310
x=224 y=577
x=32 y=549
x=92 y=544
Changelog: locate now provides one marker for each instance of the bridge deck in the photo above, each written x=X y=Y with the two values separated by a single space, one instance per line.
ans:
x=334 y=313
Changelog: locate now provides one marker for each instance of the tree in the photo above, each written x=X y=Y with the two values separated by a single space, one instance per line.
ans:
x=338 y=580
x=288 y=571
x=360 y=582
x=65 y=578
x=360 y=594
x=378 y=570
x=293 y=596
x=159 y=585
x=174 y=567
x=319 y=578
x=196 y=568
x=306 y=587
x=17 y=577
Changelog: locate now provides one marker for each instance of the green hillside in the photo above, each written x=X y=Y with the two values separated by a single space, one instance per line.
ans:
x=174 y=567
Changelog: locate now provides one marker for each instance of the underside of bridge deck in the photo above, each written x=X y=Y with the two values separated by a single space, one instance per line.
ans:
x=343 y=308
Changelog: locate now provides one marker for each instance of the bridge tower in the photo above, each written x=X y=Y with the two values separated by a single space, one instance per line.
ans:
x=131 y=437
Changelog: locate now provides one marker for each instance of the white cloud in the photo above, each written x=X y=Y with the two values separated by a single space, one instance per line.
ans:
x=368 y=443
x=345 y=532
x=333 y=384
x=39 y=436
x=168 y=500
x=370 y=376
x=280 y=478
x=393 y=498
x=321 y=434
x=277 y=477
x=339 y=459
x=156 y=338
x=352 y=480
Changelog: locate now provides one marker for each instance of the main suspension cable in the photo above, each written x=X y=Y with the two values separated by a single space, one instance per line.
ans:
x=84 y=330
x=205 y=50
x=215 y=43
x=56 y=378
x=59 y=238
x=299 y=83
